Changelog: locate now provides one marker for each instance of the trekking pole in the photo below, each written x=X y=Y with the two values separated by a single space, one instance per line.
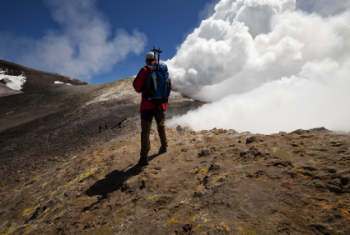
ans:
x=154 y=51
x=159 y=51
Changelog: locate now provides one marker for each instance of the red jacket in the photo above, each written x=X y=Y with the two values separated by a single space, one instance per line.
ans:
x=140 y=85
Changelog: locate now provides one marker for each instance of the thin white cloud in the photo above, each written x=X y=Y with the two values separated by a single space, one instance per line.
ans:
x=208 y=10
x=267 y=66
x=84 y=46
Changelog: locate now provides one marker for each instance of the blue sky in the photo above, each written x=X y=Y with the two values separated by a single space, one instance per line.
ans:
x=165 y=24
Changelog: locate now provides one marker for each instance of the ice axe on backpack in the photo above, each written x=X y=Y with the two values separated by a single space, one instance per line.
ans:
x=158 y=51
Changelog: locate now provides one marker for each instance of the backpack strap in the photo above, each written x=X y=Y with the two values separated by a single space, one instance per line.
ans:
x=137 y=76
x=149 y=66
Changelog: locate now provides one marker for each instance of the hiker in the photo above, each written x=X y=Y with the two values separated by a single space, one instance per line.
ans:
x=149 y=110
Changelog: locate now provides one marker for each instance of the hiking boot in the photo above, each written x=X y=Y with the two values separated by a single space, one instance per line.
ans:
x=162 y=149
x=143 y=161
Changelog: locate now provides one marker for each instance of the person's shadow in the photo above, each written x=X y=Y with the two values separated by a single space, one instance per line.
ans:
x=113 y=182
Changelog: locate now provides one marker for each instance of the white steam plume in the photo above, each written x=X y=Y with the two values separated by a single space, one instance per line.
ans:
x=267 y=66
x=85 y=46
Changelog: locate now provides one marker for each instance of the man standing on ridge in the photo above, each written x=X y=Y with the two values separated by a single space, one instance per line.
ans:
x=149 y=110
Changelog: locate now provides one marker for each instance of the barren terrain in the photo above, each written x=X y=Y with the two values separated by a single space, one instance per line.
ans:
x=60 y=175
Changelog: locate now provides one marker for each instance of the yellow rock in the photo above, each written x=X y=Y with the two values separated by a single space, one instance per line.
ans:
x=173 y=222
x=198 y=228
x=28 y=228
x=27 y=212
x=201 y=173
x=9 y=231
x=151 y=197
x=225 y=227
x=245 y=230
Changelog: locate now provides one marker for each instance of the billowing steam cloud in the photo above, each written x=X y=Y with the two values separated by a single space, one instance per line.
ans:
x=85 y=46
x=268 y=66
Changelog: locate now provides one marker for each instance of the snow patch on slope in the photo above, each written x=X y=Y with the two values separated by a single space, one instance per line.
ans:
x=59 y=82
x=13 y=82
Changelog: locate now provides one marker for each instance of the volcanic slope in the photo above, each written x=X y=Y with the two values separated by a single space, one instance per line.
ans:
x=36 y=99
x=60 y=175
x=35 y=80
x=44 y=126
